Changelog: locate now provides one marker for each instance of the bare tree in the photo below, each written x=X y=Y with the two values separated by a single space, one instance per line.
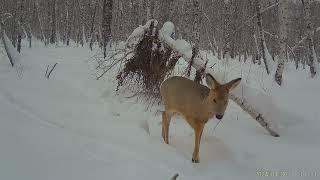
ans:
x=20 y=21
x=43 y=38
x=229 y=28
x=106 y=24
x=226 y=29
x=53 y=36
x=92 y=25
x=197 y=15
x=6 y=44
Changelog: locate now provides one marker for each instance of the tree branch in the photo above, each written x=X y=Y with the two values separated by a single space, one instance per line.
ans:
x=251 y=18
x=303 y=39
x=48 y=75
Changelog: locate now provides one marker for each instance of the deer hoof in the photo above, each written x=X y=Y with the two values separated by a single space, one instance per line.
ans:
x=195 y=161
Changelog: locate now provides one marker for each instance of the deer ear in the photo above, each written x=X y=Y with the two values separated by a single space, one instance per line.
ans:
x=234 y=83
x=211 y=82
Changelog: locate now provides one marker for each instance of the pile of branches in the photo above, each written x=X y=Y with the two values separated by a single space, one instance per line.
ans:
x=151 y=62
x=146 y=63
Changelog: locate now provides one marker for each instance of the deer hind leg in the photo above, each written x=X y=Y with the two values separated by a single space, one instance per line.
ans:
x=198 y=129
x=166 y=117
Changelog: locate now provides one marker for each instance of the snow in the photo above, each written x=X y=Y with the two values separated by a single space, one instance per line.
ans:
x=167 y=28
x=184 y=48
x=74 y=127
x=138 y=33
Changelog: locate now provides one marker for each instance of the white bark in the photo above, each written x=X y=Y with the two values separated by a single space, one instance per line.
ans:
x=283 y=20
x=7 y=46
x=261 y=40
x=313 y=61
x=257 y=48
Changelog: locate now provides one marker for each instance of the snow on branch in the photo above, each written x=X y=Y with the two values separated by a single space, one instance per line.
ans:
x=138 y=33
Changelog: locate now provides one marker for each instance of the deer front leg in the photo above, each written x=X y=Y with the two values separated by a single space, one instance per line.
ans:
x=198 y=129
x=165 y=126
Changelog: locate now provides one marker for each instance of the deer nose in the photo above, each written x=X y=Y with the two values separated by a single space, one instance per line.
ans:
x=218 y=116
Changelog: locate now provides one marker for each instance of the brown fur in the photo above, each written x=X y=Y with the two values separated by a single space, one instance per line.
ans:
x=195 y=102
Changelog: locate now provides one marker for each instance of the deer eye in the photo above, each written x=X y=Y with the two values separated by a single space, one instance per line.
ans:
x=214 y=100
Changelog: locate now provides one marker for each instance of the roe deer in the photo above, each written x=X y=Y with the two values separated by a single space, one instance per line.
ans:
x=195 y=102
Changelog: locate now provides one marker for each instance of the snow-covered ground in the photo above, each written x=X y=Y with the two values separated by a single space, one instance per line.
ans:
x=72 y=126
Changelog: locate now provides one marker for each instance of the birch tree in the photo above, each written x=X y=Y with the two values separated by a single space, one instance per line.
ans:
x=313 y=61
x=5 y=42
x=261 y=40
x=283 y=21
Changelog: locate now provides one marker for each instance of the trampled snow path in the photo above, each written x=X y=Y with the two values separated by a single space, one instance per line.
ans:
x=74 y=127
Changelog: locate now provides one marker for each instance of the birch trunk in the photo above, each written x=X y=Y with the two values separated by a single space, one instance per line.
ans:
x=261 y=40
x=283 y=20
x=313 y=61
x=236 y=95
x=6 y=43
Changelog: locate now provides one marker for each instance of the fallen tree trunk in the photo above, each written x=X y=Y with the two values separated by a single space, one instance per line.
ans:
x=6 y=44
x=253 y=104
x=185 y=50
